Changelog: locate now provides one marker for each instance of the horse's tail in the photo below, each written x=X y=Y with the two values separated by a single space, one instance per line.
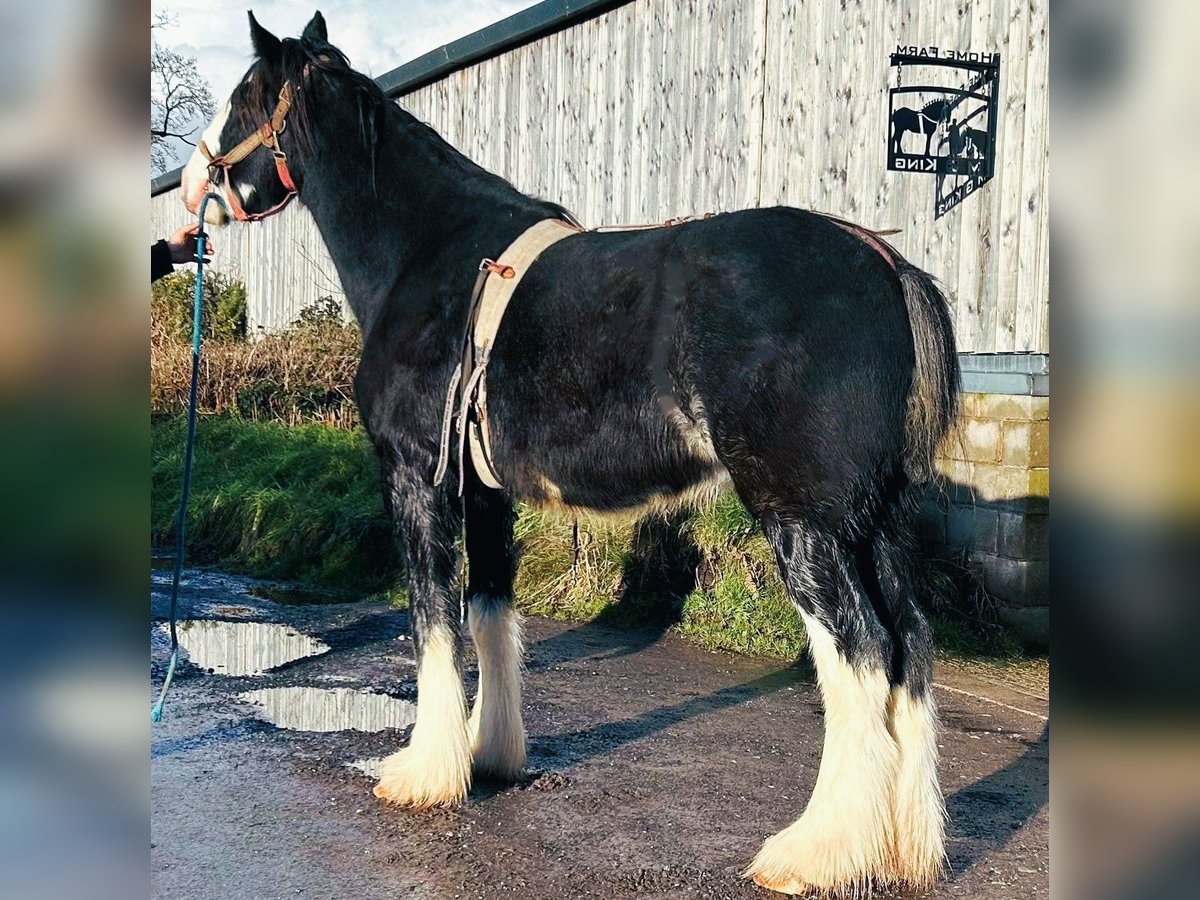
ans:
x=936 y=384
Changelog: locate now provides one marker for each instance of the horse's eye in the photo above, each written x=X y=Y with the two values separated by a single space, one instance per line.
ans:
x=216 y=175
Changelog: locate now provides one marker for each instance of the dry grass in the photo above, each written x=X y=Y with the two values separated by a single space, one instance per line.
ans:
x=303 y=375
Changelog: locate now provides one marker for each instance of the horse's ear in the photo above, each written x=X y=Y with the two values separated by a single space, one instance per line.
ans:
x=266 y=45
x=314 y=31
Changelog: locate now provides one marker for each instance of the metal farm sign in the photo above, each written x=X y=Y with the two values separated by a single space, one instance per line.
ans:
x=942 y=119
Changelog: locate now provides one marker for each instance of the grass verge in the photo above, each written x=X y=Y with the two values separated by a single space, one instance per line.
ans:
x=302 y=503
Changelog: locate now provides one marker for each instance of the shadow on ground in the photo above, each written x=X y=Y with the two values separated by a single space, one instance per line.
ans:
x=578 y=746
x=657 y=576
x=996 y=806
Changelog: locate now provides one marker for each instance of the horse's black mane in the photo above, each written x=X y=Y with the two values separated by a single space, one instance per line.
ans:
x=325 y=60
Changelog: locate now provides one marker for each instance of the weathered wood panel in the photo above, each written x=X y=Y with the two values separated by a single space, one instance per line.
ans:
x=648 y=112
x=825 y=148
x=662 y=108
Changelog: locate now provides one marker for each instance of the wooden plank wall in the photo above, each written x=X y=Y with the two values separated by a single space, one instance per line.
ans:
x=661 y=108
x=825 y=148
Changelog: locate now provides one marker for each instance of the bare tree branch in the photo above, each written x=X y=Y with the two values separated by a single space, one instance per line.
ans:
x=180 y=99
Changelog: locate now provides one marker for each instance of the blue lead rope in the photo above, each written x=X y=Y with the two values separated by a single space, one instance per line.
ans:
x=181 y=520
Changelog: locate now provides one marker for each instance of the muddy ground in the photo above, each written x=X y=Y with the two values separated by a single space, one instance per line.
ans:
x=657 y=768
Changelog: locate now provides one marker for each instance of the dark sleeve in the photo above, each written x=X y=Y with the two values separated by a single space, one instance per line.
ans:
x=160 y=260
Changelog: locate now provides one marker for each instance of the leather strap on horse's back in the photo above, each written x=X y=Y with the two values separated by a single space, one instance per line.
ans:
x=870 y=237
x=466 y=398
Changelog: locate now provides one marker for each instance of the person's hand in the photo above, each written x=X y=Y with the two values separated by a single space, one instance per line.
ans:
x=183 y=244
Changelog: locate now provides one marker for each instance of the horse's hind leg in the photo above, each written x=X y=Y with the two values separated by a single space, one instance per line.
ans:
x=435 y=768
x=844 y=839
x=496 y=729
x=918 y=812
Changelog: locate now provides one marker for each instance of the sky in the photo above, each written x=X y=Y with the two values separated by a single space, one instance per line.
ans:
x=377 y=35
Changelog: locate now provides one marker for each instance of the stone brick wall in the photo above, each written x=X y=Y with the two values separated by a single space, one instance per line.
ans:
x=992 y=503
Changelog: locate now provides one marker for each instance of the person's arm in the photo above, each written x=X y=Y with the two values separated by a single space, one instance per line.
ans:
x=181 y=248
x=160 y=260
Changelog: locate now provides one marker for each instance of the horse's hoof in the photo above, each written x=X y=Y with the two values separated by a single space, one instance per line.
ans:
x=422 y=781
x=789 y=885
x=807 y=858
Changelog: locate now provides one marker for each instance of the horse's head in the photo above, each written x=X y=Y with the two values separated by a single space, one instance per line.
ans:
x=253 y=151
x=936 y=109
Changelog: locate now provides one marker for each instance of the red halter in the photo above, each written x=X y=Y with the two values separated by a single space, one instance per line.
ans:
x=265 y=136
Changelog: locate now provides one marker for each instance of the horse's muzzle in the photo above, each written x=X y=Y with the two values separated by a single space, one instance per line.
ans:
x=214 y=213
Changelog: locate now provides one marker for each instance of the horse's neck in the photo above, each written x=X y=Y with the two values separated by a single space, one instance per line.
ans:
x=420 y=204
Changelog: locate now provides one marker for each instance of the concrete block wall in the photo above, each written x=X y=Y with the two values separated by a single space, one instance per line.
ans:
x=991 y=503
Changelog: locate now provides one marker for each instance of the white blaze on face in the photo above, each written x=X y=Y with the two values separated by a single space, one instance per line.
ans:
x=194 y=182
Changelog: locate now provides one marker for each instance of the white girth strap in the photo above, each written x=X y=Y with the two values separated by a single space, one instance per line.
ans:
x=497 y=292
x=498 y=289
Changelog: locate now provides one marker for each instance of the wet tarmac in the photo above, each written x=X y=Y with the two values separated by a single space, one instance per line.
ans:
x=656 y=768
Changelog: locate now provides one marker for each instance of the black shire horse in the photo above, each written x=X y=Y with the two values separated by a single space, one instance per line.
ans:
x=801 y=360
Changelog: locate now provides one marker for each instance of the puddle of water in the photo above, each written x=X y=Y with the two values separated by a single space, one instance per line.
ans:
x=331 y=709
x=244 y=648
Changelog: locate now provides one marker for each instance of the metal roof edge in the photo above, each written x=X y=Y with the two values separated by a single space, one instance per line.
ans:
x=519 y=28
x=167 y=181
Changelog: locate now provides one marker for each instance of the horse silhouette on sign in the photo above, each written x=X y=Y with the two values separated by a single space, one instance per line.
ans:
x=977 y=140
x=925 y=121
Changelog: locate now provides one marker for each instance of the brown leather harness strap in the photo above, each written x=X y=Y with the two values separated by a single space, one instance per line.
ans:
x=669 y=223
x=868 y=236
x=871 y=238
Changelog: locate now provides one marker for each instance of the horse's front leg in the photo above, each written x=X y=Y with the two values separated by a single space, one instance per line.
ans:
x=435 y=768
x=496 y=729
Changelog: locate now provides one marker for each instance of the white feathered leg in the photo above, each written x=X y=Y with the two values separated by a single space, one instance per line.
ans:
x=435 y=768
x=496 y=728
x=841 y=843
